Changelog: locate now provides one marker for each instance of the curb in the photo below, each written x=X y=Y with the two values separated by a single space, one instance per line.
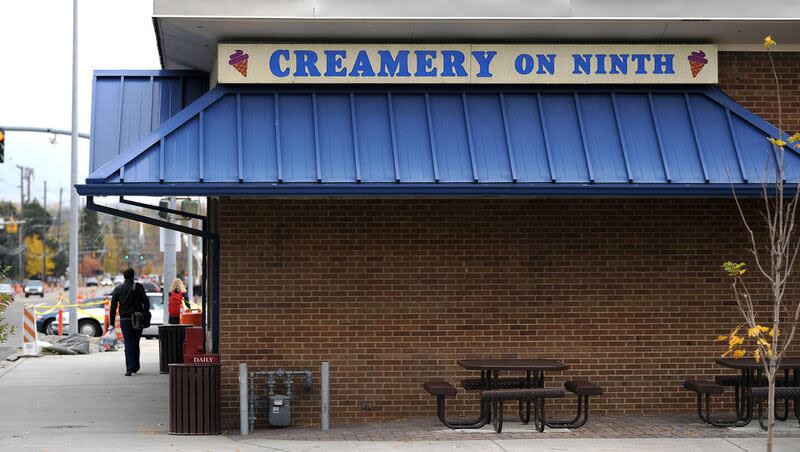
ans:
x=14 y=361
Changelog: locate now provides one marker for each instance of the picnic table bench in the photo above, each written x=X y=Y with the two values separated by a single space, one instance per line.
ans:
x=528 y=391
x=748 y=388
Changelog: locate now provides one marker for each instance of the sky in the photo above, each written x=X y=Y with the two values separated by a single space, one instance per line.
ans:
x=36 y=80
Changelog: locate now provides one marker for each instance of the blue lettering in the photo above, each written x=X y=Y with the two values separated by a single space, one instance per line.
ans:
x=306 y=63
x=333 y=63
x=484 y=59
x=397 y=67
x=619 y=63
x=523 y=64
x=453 y=60
x=362 y=65
x=601 y=63
x=663 y=63
x=425 y=63
x=581 y=63
x=546 y=63
x=275 y=63
x=640 y=59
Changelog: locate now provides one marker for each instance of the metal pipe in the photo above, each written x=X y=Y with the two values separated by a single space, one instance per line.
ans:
x=244 y=407
x=252 y=403
x=272 y=377
x=42 y=130
x=182 y=213
x=73 y=197
x=44 y=236
x=190 y=265
x=215 y=295
x=324 y=375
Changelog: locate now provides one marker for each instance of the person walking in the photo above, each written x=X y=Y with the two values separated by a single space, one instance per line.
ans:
x=130 y=297
x=177 y=296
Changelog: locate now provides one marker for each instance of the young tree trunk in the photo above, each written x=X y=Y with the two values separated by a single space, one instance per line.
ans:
x=771 y=405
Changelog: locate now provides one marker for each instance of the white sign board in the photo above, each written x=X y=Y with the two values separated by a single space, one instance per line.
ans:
x=466 y=63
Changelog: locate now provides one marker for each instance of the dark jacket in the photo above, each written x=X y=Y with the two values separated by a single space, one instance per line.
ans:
x=128 y=302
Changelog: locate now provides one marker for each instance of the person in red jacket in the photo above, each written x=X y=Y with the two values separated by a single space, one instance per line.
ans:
x=177 y=296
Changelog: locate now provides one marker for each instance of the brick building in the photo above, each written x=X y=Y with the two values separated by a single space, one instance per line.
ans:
x=393 y=229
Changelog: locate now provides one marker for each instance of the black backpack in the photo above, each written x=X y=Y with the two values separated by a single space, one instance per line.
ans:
x=140 y=319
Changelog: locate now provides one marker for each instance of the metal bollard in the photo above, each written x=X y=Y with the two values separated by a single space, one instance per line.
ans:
x=244 y=421
x=324 y=375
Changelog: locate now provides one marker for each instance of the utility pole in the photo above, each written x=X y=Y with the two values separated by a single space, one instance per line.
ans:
x=169 y=259
x=28 y=177
x=73 y=198
x=21 y=217
x=44 y=235
x=58 y=218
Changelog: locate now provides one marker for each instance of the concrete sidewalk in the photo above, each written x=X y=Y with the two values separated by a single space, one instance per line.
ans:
x=84 y=403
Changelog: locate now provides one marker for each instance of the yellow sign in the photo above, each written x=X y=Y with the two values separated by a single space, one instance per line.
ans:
x=467 y=63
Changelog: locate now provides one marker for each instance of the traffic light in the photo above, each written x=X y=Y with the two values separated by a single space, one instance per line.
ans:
x=126 y=258
x=2 y=145
x=141 y=258
x=11 y=226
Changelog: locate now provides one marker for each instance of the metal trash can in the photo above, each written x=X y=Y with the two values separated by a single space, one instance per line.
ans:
x=194 y=399
x=170 y=345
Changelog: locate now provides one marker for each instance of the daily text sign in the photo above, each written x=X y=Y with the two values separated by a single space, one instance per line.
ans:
x=466 y=63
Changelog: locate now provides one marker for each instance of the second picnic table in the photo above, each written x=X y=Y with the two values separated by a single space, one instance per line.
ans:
x=751 y=376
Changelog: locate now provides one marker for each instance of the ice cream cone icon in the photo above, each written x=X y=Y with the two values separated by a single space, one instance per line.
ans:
x=239 y=61
x=696 y=62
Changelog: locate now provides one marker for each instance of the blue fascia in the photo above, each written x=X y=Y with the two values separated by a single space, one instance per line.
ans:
x=429 y=190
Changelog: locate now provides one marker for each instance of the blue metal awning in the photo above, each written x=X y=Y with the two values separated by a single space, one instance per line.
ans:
x=268 y=140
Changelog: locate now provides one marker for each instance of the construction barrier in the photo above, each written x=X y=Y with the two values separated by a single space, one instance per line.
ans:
x=106 y=318
x=47 y=309
x=118 y=330
x=30 y=346
x=61 y=322
x=39 y=310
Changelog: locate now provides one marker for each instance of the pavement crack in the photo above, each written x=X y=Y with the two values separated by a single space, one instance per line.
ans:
x=498 y=445
x=258 y=445
x=734 y=444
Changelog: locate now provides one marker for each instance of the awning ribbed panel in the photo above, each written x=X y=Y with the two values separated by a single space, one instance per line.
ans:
x=372 y=140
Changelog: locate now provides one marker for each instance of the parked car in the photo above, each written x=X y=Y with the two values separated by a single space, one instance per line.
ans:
x=150 y=286
x=92 y=282
x=33 y=287
x=6 y=289
x=91 y=319
x=106 y=282
x=119 y=279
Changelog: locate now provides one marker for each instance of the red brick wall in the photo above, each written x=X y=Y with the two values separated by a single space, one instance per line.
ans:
x=747 y=78
x=629 y=293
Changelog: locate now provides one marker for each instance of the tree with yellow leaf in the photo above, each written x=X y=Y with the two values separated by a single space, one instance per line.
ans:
x=773 y=255
x=33 y=257
x=111 y=260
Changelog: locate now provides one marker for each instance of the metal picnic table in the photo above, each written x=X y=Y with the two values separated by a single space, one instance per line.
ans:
x=490 y=378
x=751 y=376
